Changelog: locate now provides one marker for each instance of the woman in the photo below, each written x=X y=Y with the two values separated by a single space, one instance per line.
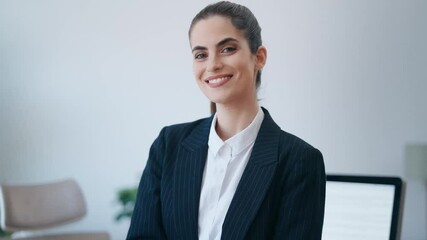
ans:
x=236 y=174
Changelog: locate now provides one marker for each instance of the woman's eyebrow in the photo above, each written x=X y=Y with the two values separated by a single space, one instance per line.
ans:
x=198 y=48
x=220 y=43
x=226 y=40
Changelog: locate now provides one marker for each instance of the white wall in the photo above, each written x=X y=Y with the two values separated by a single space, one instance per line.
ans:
x=85 y=87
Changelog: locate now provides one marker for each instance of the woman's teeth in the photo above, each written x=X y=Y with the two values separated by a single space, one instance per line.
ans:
x=217 y=80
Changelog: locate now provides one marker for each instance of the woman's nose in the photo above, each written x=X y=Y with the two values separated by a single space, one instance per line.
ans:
x=214 y=64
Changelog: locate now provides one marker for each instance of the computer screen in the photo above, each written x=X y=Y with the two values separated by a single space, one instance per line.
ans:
x=361 y=207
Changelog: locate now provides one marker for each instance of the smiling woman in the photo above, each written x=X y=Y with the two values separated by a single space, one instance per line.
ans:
x=224 y=66
x=235 y=174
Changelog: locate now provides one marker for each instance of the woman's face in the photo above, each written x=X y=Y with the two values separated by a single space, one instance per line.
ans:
x=223 y=65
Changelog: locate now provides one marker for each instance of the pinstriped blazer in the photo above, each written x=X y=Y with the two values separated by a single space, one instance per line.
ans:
x=281 y=193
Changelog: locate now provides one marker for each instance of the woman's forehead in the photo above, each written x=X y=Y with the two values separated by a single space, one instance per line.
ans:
x=208 y=32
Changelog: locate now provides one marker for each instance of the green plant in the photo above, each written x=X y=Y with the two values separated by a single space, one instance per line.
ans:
x=4 y=233
x=127 y=198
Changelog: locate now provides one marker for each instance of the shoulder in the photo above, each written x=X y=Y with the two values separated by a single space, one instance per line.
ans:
x=180 y=131
x=291 y=143
x=288 y=143
x=299 y=157
x=293 y=150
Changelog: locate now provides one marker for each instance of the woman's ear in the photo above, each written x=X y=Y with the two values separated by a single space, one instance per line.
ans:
x=261 y=57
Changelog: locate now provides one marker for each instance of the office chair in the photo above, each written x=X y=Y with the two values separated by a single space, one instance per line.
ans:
x=40 y=207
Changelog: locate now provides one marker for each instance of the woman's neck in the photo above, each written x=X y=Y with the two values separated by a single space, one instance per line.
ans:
x=233 y=119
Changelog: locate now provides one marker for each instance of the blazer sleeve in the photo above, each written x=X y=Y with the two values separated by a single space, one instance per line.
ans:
x=146 y=222
x=303 y=198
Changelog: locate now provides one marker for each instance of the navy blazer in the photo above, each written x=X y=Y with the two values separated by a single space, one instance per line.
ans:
x=281 y=194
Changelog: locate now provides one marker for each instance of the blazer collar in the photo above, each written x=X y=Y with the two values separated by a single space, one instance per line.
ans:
x=188 y=175
x=255 y=181
x=250 y=191
x=199 y=137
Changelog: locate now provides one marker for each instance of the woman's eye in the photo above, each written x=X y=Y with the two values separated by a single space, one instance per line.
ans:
x=199 y=56
x=229 y=49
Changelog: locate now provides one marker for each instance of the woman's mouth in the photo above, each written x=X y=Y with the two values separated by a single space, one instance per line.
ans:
x=217 y=81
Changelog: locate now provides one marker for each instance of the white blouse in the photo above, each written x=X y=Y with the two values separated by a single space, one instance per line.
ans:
x=224 y=167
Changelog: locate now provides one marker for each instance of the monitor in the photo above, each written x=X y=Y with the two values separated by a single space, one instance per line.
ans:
x=362 y=207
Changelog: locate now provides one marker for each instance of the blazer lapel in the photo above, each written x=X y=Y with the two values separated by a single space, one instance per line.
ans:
x=255 y=181
x=188 y=174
